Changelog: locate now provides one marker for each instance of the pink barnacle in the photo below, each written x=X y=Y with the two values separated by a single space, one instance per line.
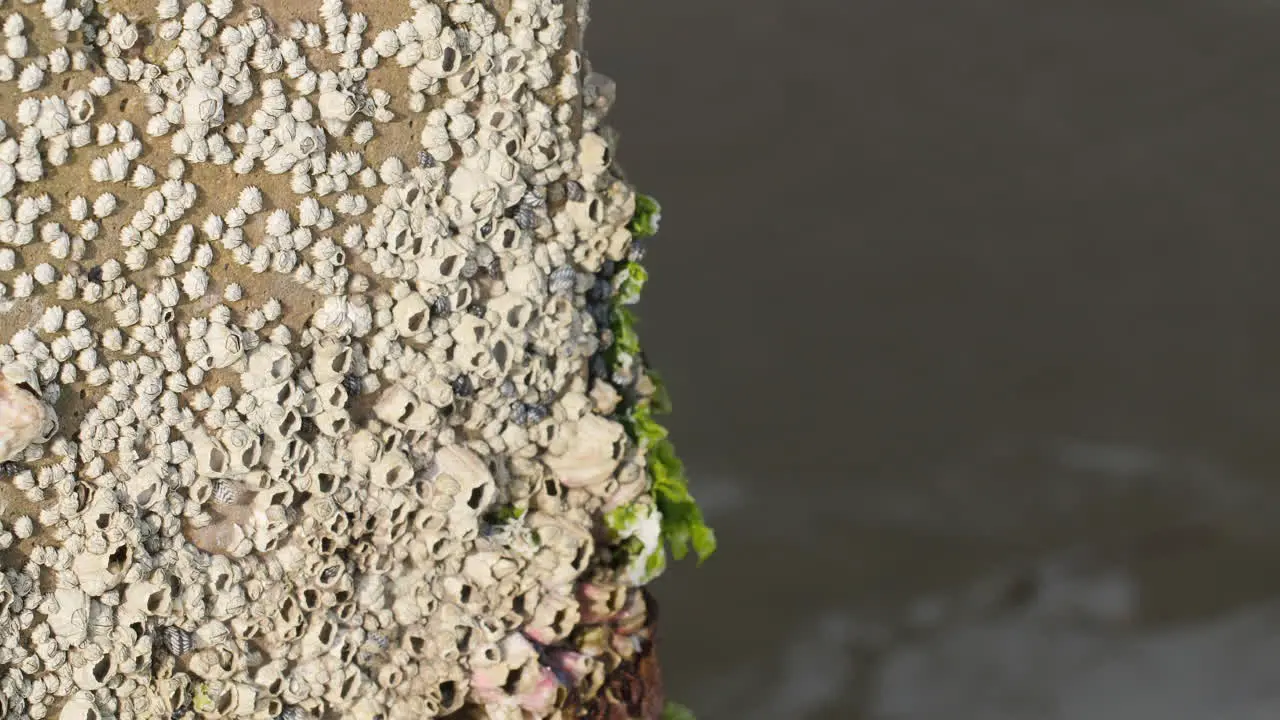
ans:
x=600 y=602
x=24 y=419
x=540 y=696
x=574 y=666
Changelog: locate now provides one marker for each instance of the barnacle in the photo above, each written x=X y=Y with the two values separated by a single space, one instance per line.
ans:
x=24 y=418
x=372 y=435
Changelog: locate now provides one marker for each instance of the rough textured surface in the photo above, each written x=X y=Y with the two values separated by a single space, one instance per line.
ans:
x=320 y=298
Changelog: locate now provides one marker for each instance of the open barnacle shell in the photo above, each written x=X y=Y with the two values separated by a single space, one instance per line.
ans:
x=587 y=451
x=225 y=346
x=458 y=473
x=24 y=417
x=400 y=407
x=80 y=706
x=69 y=616
x=268 y=366
x=331 y=360
x=98 y=572
x=212 y=458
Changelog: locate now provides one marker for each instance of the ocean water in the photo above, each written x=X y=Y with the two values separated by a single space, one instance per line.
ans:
x=969 y=311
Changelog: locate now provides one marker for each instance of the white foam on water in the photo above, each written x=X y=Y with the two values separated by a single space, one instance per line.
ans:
x=1073 y=654
x=817 y=665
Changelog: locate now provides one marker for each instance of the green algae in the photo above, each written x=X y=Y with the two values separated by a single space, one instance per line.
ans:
x=683 y=526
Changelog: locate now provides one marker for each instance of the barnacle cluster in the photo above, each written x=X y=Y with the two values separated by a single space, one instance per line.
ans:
x=319 y=398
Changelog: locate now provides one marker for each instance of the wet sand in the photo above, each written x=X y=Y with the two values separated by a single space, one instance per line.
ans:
x=945 y=290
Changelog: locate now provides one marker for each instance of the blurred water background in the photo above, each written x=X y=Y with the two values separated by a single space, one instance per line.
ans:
x=969 y=311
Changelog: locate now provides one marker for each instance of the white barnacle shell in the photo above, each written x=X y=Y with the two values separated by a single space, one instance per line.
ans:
x=202 y=107
x=211 y=457
x=512 y=312
x=244 y=449
x=250 y=200
x=80 y=706
x=392 y=471
x=51 y=319
x=471 y=194
x=331 y=360
x=445 y=264
x=461 y=474
x=308 y=211
x=587 y=451
x=336 y=105
x=104 y=205
x=24 y=418
x=143 y=176
x=400 y=407
x=31 y=78
x=195 y=282
x=54 y=117
x=213 y=226
x=386 y=43
x=271 y=309
x=554 y=617
x=226 y=346
x=363 y=132
x=411 y=315
x=69 y=618
x=100 y=572
x=278 y=223
x=8 y=178
x=14 y=24
x=78 y=208
x=146 y=487
x=593 y=153
x=269 y=365
x=342 y=316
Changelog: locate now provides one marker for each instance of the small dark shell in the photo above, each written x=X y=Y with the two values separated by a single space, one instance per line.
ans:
x=563 y=279
x=462 y=386
x=353 y=384
x=425 y=159
x=507 y=388
x=225 y=492
x=599 y=367
x=574 y=188
x=600 y=290
x=526 y=218
x=535 y=413
x=519 y=413
x=555 y=194
x=176 y=640
x=532 y=199
x=10 y=468
x=600 y=313
x=441 y=305
x=290 y=712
